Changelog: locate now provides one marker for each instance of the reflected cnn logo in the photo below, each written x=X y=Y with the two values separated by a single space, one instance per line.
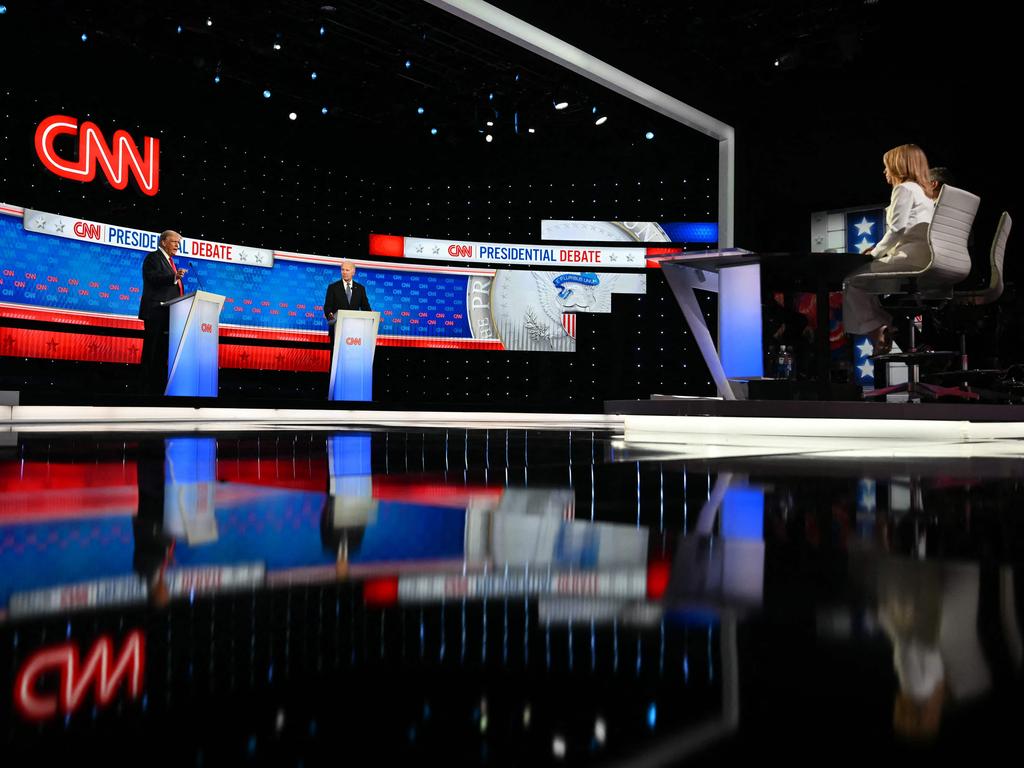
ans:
x=116 y=160
x=353 y=341
x=102 y=671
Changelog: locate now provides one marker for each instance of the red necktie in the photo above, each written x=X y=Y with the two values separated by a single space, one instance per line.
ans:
x=181 y=287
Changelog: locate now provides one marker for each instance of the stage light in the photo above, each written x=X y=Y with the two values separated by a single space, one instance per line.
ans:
x=216 y=79
x=266 y=93
x=420 y=110
x=408 y=63
x=531 y=130
x=322 y=32
x=323 y=110
x=277 y=46
x=84 y=37
x=488 y=138
x=561 y=105
x=179 y=29
x=601 y=120
x=649 y=135
x=3 y=10
x=292 y=116
x=312 y=75
x=593 y=110
x=490 y=123
x=490 y=97
x=209 y=22
x=433 y=131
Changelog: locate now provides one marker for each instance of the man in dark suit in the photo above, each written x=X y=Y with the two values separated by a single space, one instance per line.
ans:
x=161 y=281
x=344 y=294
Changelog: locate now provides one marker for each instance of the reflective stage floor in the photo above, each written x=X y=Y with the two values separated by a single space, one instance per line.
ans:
x=504 y=597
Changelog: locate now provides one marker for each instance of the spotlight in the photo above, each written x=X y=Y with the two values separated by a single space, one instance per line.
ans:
x=490 y=123
x=323 y=110
x=84 y=37
x=216 y=79
x=420 y=110
x=408 y=63
x=531 y=130
x=490 y=97
x=649 y=135
x=3 y=10
x=601 y=120
x=277 y=46
x=209 y=22
x=322 y=31
x=488 y=138
x=593 y=110
x=266 y=93
x=179 y=29
x=312 y=75
x=561 y=105
x=292 y=116
x=433 y=131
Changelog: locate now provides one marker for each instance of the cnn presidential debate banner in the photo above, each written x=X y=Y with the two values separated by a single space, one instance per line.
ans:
x=87 y=276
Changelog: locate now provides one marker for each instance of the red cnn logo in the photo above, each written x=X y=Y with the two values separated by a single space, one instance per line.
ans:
x=88 y=231
x=206 y=327
x=465 y=251
x=100 y=670
x=353 y=341
x=116 y=161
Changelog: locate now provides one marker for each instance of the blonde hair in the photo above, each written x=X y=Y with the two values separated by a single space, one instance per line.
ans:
x=907 y=162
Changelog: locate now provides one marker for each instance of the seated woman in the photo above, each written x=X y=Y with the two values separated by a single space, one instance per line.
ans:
x=903 y=246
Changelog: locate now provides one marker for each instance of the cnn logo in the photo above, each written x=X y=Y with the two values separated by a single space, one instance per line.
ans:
x=206 y=327
x=465 y=251
x=116 y=160
x=353 y=341
x=102 y=670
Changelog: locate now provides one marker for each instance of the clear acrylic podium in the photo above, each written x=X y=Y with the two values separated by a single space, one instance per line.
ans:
x=355 y=339
x=194 y=345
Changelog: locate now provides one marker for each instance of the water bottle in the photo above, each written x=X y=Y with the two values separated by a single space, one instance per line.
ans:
x=787 y=362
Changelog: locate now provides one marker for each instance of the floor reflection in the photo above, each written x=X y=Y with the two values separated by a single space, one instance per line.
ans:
x=499 y=597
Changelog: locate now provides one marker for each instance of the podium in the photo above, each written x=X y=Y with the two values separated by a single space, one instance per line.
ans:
x=355 y=339
x=194 y=345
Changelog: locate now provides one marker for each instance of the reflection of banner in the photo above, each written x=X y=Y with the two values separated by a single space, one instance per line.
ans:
x=629 y=231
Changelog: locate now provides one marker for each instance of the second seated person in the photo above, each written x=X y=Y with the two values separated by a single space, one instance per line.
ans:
x=904 y=246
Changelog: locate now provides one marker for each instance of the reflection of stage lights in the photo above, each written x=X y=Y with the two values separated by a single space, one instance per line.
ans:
x=420 y=110
x=323 y=110
x=561 y=104
x=488 y=138
x=209 y=22
x=433 y=131
x=408 y=63
x=490 y=123
x=312 y=75
x=601 y=120
x=531 y=130
x=649 y=135
x=266 y=93
x=292 y=116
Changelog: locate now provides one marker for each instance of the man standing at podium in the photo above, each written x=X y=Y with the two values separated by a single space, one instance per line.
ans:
x=344 y=294
x=161 y=282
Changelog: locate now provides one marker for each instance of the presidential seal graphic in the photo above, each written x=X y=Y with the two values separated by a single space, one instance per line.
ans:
x=536 y=310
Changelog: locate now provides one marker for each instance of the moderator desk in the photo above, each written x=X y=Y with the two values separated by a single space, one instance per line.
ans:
x=736 y=276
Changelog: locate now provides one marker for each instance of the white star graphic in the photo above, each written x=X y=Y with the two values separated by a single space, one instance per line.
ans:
x=866 y=348
x=867 y=368
x=59 y=227
x=863 y=245
x=40 y=223
x=864 y=226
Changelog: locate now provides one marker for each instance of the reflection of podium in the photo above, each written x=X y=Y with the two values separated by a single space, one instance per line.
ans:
x=192 y=356
x=355 y=338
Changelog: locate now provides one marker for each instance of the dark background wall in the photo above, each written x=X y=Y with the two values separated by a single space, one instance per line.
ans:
x=850 y=82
